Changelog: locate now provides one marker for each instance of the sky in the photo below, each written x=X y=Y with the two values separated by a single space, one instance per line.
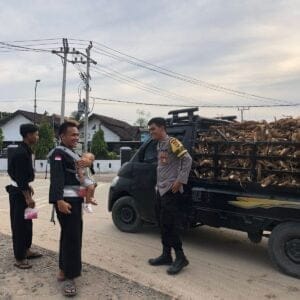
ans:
x=250 y=46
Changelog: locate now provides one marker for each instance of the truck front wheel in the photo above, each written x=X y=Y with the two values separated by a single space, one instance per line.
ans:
x=284 y=248
x=125 y=215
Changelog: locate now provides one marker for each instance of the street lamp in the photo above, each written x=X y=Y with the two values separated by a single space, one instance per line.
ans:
x=34 y=114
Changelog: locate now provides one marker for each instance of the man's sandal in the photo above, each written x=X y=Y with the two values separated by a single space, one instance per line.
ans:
x=23 y=265
x=69 y=288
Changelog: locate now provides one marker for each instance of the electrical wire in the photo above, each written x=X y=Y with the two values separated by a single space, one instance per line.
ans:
x=176 y=75
x=189 y=106
x=121 y=56
x=11 y=46
x=138 y=84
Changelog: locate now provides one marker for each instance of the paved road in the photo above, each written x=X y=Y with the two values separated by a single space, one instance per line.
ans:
x=223 y=263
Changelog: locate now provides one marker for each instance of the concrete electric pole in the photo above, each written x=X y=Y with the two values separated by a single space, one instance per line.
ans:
x=63 y=54
x=84 y=59
x=34 y=113
x=87 y=94
x=242 y=109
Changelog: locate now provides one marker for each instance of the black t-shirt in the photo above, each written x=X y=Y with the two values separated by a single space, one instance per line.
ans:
x=20 y=167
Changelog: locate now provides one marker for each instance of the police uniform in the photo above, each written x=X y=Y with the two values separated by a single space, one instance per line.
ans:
x=21 y=172
x=64 y=185
x=174 y=164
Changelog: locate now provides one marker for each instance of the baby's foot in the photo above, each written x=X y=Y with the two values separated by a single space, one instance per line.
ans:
x=87 y=207
x=92 y=201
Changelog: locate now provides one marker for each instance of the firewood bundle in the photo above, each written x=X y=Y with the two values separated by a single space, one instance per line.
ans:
x=262 y=152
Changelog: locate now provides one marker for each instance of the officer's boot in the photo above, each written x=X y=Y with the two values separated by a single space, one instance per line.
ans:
x=164 y=259
x=179 y=263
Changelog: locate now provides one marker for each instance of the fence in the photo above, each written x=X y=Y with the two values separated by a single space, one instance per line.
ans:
x=100 y=166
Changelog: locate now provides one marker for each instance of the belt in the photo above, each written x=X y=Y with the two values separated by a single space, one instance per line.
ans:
x=13 y=183
x=72 y=191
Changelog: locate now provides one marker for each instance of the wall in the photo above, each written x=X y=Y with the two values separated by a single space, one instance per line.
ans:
x=100 y=166
x=11 y=128
x=3 y=164
x=109 y=136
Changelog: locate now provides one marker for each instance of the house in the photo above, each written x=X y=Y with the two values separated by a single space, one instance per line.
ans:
x=116 y=133
x=11 y=124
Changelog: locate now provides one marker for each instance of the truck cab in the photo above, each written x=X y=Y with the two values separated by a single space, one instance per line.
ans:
x=132 y=191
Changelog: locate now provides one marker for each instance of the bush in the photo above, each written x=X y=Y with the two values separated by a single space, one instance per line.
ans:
x=46 y=140
x=98 y=145
x=112 y=155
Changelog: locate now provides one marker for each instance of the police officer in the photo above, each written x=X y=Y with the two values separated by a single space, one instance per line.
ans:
x=174 y=165
x=21 y=172
x=64 y=194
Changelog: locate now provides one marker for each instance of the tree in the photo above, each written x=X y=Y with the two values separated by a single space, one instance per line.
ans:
x=99 y=146
x=46 y=141
x=1 y=138
x=142 y=120
x=75 y=116
x=4 y=114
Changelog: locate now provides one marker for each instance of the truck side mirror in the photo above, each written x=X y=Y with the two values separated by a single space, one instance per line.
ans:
x=125 y=154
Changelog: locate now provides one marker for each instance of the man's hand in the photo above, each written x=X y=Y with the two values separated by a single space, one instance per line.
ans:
x=28 y=198
x=31 y=190
x=176 y=187
x=30 y=202
x=64 y=207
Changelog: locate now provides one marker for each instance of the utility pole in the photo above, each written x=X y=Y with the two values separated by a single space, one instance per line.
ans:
x=242 y=109
x=87 y=94
x=84 y=59
x=34 y=113
x=63 y=92
x=63 y=54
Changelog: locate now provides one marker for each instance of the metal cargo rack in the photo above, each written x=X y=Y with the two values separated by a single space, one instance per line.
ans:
x=253 y=187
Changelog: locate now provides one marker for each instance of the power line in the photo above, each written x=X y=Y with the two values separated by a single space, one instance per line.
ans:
x=41 y=100
x=11 y=46
x=134 y=102
x=36 y=40
x=140 y=85
x=152 y=67
x=204 y=106
x=188 y=80
x=176 y=75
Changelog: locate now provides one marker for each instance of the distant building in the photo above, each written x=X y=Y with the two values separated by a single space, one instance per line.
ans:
x=11 y=124
x=116 y=133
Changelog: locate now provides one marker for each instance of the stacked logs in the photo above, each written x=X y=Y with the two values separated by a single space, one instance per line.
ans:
x=276 y=163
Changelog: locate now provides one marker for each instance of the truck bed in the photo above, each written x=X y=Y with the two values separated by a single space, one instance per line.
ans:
x=247 y=180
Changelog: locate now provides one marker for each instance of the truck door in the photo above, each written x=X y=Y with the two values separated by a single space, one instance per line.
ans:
x=144 y=179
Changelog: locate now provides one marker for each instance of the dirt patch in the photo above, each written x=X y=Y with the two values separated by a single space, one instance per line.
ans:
x=40 y=281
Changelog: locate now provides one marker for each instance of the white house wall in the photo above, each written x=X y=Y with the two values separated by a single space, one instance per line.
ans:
x=93 y=127
x=12 y=127
x=100 y=166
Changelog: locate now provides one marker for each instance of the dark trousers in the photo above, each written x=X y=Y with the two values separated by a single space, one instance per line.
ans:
x=70 y=239
x=169 y=217
x=21 y=229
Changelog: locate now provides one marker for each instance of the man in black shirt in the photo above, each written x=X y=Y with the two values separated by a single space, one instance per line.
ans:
x=21 y=172
x=65 y=195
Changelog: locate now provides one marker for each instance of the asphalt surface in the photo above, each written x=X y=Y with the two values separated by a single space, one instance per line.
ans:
x=224 y=264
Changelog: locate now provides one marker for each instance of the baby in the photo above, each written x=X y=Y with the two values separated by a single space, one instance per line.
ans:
x=86 y=180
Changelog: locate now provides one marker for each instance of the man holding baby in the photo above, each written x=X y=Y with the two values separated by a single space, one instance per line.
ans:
x=66 y=195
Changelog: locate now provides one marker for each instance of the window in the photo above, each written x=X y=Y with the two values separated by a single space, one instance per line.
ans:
x=150 y=153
